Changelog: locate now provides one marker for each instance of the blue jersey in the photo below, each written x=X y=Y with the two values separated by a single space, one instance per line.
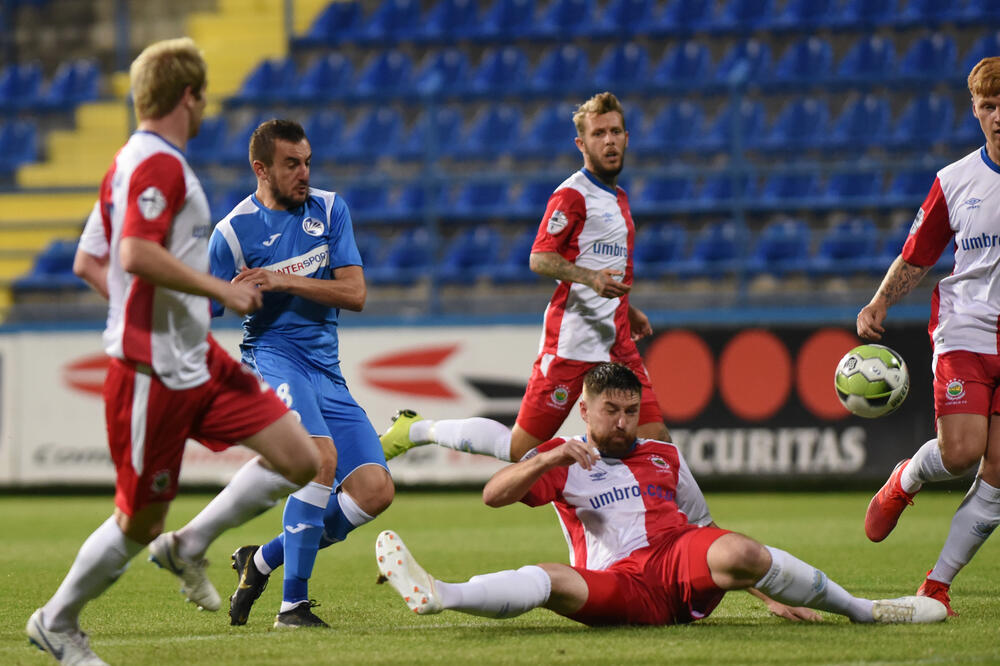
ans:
x=311 y=241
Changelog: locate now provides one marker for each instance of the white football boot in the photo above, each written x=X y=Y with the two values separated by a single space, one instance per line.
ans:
x=71 y=648
x=397 y=566
x=909 y=610
x=195 y=585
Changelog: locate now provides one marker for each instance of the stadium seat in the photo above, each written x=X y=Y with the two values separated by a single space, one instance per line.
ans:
x=925 y=13
x=685 y=66
x=564 y=20
x=984 y=47
x=549 y=135
x=417 y=199
x=892 y=245
x=468 y=254
x=512 y=266
x=746 y=61
x=502 y=71
x=967 y=134
x=407 y=259
x=20 y=86
x=979 y=13
x=864 y=15
x=790 y=187
x=676 y=129
x=236 y=147
x=802 y=16
x=367 y=201
x=682 y=18
x=663 y=195
x=848 y=247
x=386 y=74
x=931 y=58
x=562 y=69
x=429 y=140
x=717 y=251
x=445 y=71
x=369 y=245
x=375 y=135
x=327 y=78
x=854 y=188
x=720 y=189
x=492 y=133
x=74 y=82
x=19 y=144
x=208 y=146
x=910 y=187
x=658 y=250
x=269 y=82
x=871 y=60
x=450 y=20
x=52 y=269
x=741 y=16
x=863 y=123
x=478 y=201
x=781 y=248
x=747 y=125
x=530 y=204
x=925 y=121
x=806 y=63
x=801 y=125
x=506 y=20
x=391 y=22
x=325 y=130
x=338 y=23
x=622 y=67
x=623 y=19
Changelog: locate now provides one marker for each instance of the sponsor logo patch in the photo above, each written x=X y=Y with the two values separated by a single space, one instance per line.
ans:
x=557 y=222
x=151 y=203
x=161 y=481
x=955 y=390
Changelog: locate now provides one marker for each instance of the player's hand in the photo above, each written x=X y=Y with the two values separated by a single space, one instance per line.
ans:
x=639 y=323
x=574 y=451
x=242 y=298
x=606 y=284
x=870 y=321
x=261 y=278
x=793 y=613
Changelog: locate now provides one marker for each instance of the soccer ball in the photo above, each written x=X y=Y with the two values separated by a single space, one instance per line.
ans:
x=872 y=381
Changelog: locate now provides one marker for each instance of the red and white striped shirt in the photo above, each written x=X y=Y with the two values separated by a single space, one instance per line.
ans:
x=590 y=225
x=150 y=192
x=620 y=505
x=964 y=203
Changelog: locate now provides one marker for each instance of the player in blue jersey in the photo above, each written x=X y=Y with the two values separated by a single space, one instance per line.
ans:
x=296 y=244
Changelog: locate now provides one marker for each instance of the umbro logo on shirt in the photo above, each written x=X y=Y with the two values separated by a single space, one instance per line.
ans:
x=270 y=241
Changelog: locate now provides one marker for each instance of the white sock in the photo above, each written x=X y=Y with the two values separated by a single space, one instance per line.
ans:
x=474 y=435
x=260 y=563
x=925 y=466
x=975 y=520
x=498 y=595
x=795 y=583
x=253 y=490
x=103 y=557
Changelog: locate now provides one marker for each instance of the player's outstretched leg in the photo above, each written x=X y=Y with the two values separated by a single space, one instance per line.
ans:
x=396 y=440
x=909 y=610
x=195 y=585
x=396 y=565
x=250 y=584
x=887 y=505
x=67 y=647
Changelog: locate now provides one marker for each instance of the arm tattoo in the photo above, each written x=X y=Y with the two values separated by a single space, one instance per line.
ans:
x=555 y=266
x=901 y=278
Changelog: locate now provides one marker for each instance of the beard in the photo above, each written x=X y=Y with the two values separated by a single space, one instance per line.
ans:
x=607 y=174
x=287 y=201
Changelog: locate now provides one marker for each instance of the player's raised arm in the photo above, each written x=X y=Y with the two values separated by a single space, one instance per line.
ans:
x=513 y=482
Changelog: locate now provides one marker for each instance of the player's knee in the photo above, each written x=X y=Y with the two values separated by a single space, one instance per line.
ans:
x=737 y=561
x=961 y=455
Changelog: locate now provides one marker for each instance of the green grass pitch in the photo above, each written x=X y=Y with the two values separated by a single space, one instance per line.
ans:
x=143 y=620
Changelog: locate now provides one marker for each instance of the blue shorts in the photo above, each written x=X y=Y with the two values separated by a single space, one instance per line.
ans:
x=324 y=406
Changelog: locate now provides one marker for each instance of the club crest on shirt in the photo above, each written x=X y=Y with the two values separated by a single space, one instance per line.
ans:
x=955 y=390
x=557 y=222
x=559 y=396
x=917 y=221
x=161 y=481
x=312 y=226
x=151 y=203
x=660 y=462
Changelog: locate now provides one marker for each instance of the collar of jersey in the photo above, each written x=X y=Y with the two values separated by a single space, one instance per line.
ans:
x=272 y=211
x=627 y=453
x=160 y=138
x=986 y=158
x=592 y=178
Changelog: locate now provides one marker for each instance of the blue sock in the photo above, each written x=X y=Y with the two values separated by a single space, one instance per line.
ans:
x=341 y=516
x=273 y=551
x=303 y=521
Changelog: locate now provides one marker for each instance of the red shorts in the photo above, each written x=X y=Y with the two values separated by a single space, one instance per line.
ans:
x=668 y=583
x=552 y=393
x=148 y=423
x=966 y=383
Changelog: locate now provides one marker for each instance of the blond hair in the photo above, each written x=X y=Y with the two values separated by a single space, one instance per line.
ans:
x=984 y=79
x=162 y=72
x=599 y=104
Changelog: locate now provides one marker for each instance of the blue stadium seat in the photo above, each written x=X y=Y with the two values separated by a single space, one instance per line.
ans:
x=675 y=129
x=387 y=73
x=967 y=134
x=682 y=18
x=407 y=260
x=375 y=135
x=476 y=201
x=854 y=188
x=338 y=23
x=806 y=63
x=549 y=135
x=531 y=202
x=863 y=123
x=659 y=248
x=325 y=131
x=748 y=122
x=468 y=254
x=786 y=188
x=664 y=192
x=412 y=201
x=931 y=58
x=564 y=20
x=746 y=61
x=684 y=66
x=802 y=16
x=391 y=22
x=563 y=68
x=507 y=20
x=444 y=71
x=891 y=245
x=623 y=19
x=978 y=12
x=925 y=121
x=271 y=81
x=781 y=248
x=369 y=245
x=52 y=269
x=910 y=187
x=492 y=133
x=222 y=203
x=208 y=146
x=741 y=16
x=801 y=125
x=512 y=266
x=871 y=60
x=984 y=47
x=848 y=247
x=450 y=20
x=864 y=14
x=74 y=82
x=19 y=144
x=235 y=151
x=20 y=86
x=328 y=77
x=622 y=67
x=367 y=201
x=502 y=71
x=720 y=189
x=718 y=251
x=925 y=13
x=420 y=144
